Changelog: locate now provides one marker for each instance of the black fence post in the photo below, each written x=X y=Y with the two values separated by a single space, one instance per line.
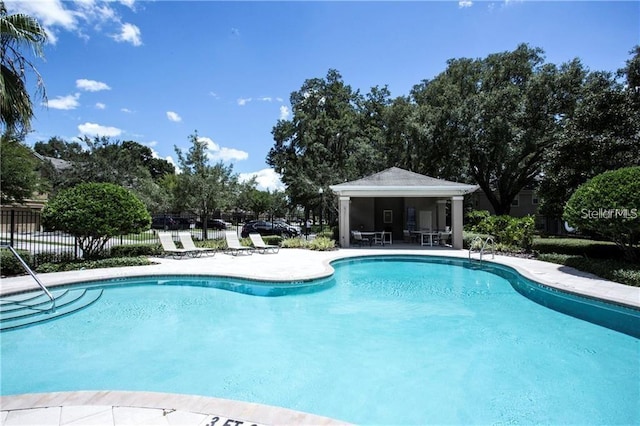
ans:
x=12 y=226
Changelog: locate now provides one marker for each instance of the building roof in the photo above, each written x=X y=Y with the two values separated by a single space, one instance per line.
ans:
x=399 y=182
x=57 y=163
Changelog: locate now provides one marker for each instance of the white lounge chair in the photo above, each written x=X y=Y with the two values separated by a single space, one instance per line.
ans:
x=169 y=247
x=187 y=243
x=233 y=244
x=261 y=246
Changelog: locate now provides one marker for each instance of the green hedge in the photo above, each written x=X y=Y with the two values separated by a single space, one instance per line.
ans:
x=10 y=266
x=618 y=270
x=577 y=247
x=112 y=262
x=134 y=250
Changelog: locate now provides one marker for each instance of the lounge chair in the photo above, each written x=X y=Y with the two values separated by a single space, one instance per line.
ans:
x=169 y=247
x=233 y=244
x=187 y=243
x=260 y=246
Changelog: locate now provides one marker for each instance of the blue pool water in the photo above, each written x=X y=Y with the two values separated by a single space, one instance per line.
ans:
x=385 y=340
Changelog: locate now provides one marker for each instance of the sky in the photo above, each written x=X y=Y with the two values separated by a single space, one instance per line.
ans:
x=155 y=72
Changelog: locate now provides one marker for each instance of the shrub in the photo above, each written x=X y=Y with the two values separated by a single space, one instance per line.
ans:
x=327 y=233
x=10 y=265
x=112 y=262
x=294 y=243
x=608 y=205
x=473 y=240
x=474 y=218
x=95 y=212
x=510 y=232
x=322 y=244
x=577 y=247
x=53 y=257
x=134 y=250
x=620 y=271
x=274 y=240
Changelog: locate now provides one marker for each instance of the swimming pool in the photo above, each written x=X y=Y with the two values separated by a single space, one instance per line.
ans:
x=384 y=340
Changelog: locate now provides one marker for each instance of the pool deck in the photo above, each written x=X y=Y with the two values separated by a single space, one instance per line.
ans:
x=117 y=408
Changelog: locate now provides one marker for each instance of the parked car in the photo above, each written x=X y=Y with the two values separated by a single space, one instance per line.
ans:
x=169 y=223
x=218 y=224
x=263 y=227
x=288 y=225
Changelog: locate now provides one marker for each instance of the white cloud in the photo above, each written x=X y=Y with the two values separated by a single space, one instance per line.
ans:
x=284 y=112
x=128 y=3
x=265 y=99
x=126 y=110
x=465 y=3
x=228 y=154
x=48 y=13
x=243 y=101
x=129 y=33
x=218 y=153
x=93 y=129
x=267 y=179
x=100 y=105
x=64 y=102
x=211 y=145
x=91 y=85
x=173 y=116
x=279 y=99
x=79 y=16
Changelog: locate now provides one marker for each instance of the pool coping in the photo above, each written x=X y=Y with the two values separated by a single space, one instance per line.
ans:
x=289 y=265
x=314 y=265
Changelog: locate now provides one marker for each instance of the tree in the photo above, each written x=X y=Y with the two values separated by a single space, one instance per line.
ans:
x=600 y=132
x=609 y=205
x=127 y=163
x=18 y=177
x=320 y=145
x=17 y=32
x=56 y=147
x=493 y=119
x=201 y=188
x=95 y=212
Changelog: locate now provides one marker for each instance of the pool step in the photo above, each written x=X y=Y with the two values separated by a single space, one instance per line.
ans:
x=26 y=309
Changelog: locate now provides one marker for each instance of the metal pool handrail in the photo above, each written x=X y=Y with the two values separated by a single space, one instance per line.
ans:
x=484 y=245
x=28 y=269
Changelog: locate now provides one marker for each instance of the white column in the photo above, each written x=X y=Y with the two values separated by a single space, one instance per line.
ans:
x=344 y=222
x=442 y=214
x=456 y=221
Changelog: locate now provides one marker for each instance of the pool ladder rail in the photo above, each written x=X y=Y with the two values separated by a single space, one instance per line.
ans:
x=488 y=242
x=52 y=299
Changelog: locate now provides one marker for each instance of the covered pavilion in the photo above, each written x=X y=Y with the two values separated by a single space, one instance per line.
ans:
x=397 y=200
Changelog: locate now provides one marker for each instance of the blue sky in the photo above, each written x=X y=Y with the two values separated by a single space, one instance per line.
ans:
x=156 y=71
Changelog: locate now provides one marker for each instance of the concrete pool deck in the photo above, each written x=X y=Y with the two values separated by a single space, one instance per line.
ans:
x=118 y=408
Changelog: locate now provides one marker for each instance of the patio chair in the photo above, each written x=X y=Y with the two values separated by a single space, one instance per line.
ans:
x=169 y=247
x=260 y=246
x=379 y=238
x=187 y=243
x=233 y=244
x=359 y=239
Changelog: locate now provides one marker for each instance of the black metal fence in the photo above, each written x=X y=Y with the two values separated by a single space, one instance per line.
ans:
x=22 y=229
